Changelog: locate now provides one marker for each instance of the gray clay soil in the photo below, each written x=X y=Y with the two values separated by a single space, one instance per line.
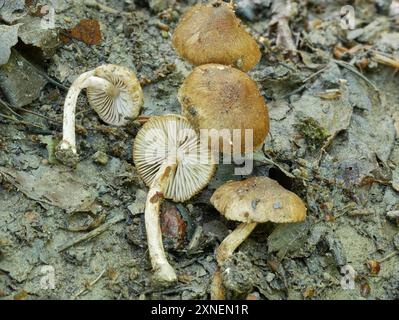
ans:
x=333 y=141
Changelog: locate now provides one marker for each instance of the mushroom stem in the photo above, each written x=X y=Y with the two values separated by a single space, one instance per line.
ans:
x=233 y=240
x=85 y=80
x=217 y=288
x=163 y=271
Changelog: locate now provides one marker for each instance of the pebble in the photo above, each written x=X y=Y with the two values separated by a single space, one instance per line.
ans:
x=270 y=277
x=100 y=158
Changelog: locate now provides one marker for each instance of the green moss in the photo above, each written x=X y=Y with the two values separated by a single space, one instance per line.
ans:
x=314 y=135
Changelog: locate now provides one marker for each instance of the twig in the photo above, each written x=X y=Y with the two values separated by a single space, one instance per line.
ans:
x=89 y=286
x=389 y=256
x=8 y=107
x=352 y=69
x=38 y=115
x=26 y=123
x=91 y=234
x=267 y=160
x=11 y=109
x=388 y=61
x=303 y=86
x=42 y=73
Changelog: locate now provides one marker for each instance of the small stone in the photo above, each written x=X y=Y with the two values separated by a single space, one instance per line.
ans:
x=8 y=38
x=138 y=206
x=134 y=273
x=19 y=80
x=11 y=11
x=164 y=34
x=100 y=158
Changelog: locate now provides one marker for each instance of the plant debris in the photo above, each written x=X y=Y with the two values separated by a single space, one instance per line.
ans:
x=87 y=30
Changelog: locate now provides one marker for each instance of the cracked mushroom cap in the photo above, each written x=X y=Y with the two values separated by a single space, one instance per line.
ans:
x=258 y=199
x=215 y=96
x=211 y=33
x=172 y=137
x=117 y=103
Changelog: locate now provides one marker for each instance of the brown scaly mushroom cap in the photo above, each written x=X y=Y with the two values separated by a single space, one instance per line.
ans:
x=215 y=96
x=258 y=199
x=171 y=160
x=252 y=201
x=211 y=33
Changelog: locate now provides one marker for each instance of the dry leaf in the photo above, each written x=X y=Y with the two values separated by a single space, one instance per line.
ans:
x=87 y=30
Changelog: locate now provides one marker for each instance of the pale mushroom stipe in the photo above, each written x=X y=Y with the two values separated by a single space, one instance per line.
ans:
x=113 y=92
x=174 y=165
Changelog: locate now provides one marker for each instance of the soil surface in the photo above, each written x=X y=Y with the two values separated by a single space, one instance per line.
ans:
x=334 y=109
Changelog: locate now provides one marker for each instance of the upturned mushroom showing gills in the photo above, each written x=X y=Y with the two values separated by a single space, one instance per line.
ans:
x=174 y=165
x=113 y=92
x=215 y=96
x=211 y=33
x=252 y=201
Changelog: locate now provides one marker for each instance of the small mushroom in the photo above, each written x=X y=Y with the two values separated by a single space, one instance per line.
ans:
x=215 y=96
x=174 y=165
x=252 y=201
x=113 y=92
x=211 y=33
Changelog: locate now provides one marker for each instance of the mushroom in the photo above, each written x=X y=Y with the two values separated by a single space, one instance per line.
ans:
x=174 y=165
x=215 y=96
x=211 y=33
x=252 y=201
x=113 y=92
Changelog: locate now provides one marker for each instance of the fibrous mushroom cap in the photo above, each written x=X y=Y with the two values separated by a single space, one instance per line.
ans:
x=120 y=102
x=258 y=199
x=215 y=96
x=211 y=33
x=172 y=138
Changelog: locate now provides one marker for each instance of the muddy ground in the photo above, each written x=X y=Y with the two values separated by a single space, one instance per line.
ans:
x=333 y=141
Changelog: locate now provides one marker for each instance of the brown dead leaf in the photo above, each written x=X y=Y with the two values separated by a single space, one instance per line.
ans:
x=173 y=227
x=87 y=30
x=52 y=186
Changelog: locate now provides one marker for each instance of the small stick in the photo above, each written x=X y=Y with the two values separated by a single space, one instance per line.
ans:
x=386 y=60
x=8 y=107
x=91 y=234
x=217 y=287
x=89 y=286
x=42 y=73
x=303 y=86
x=38 y=115
x=11 y=109
x=389 y=256
x=21 y=122
x=352 y=69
